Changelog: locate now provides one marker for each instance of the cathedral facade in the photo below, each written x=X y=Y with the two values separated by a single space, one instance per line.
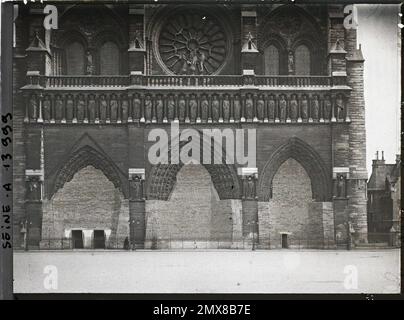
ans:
x=89 y=93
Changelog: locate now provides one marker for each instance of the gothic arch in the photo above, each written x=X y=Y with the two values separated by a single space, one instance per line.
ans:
x=162 y=177
x=308 y=158
x=80 y=159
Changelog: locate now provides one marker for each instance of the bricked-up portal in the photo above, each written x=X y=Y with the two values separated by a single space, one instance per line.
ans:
x=193 y=217
x=290 y=203
x=88 y=202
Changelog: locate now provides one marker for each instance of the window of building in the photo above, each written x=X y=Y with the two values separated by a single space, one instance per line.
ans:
x=302 y=60
x=109 y=58
x=75 y=59
x=271 y=60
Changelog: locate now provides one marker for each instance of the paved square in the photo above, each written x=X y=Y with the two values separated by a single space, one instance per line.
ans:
x=225 y=271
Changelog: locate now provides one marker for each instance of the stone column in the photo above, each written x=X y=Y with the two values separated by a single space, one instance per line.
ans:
x=137 y=210
x=33 y=207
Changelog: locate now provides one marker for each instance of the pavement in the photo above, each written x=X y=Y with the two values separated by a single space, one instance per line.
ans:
x=208 y=271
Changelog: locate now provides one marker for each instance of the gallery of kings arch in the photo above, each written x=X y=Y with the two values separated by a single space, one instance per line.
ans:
x=88 y=93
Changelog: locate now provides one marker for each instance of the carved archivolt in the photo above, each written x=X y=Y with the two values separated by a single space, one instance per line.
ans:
x=192 y=41
x=308 y=158
x=82 y=158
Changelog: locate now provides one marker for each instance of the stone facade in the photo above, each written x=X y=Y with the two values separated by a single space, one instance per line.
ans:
x=88 y=94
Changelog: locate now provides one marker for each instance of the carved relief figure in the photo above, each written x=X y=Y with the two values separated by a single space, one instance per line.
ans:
x=215 y=108
x=315 y=108
x=293 y=107
x=226 y=108
x=260 y=107
x=282 y=108
x=103 y=108
x=304 y=108
x=204 y=108
x=114 y=108
x=249 y=105
x=193 y=108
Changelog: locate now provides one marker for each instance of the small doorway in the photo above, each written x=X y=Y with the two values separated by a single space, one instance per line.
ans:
x=99 y=239
x=77 y=239
x=284 y=241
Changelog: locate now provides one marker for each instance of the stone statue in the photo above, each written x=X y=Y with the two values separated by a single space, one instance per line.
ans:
x=204 y=108
x=103 y=108
x=33 y=104
x=271 y=109
x=249 y=104
x=339 y=103
x=69 y=108
x=291 y=62
x=293 y=107
x=137 y=112
x=90 y=68
x=34 y=189
x=260 y=108
x=226 y=108
x=193 y=108
x=282 y=108
x=148 y=108
x=304 y=108
x=80 y=108
x=327 y=108
x=159 y=108
x=215 y=108
x=237 y=108
x=170 y=109
x=125 y=109
x=315 y=108
x=91 y=109
x=46 y=109
x=59 y=114
x=136 y=188
x=249 y=188
x=341 y=188
x=181 y=109
x=114 y=108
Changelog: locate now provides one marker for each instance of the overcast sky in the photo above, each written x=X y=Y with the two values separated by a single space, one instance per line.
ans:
x=378 y=32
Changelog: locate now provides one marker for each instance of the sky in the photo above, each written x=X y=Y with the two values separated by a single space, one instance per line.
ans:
x=378 y=32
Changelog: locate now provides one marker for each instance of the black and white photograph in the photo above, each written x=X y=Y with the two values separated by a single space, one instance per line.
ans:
x=207 y=147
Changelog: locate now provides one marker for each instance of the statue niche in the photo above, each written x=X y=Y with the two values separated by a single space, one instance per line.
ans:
x=136 y=188
x=249 y=188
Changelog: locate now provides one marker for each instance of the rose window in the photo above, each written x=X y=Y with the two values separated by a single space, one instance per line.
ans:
x=192 y=43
